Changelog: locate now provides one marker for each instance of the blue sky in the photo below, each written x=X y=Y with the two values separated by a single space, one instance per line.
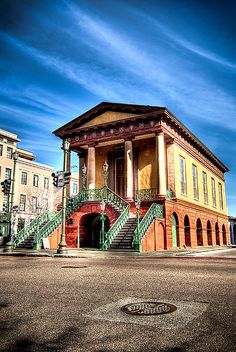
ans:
x=60 y=58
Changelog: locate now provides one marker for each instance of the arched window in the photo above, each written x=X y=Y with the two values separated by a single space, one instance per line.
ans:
x=217 y=231
x=175 y=230
x=224 y=234
x=209 y=234
x=187 y=231
x=199 y=232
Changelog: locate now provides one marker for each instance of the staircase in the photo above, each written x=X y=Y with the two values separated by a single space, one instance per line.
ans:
x=124 y=238
x=28 y=242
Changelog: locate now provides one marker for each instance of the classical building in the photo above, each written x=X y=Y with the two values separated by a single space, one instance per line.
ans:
x=153 y=158
x=34 y=192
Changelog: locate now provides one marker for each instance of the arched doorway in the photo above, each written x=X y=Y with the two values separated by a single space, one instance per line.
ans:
x=209 y=234
x=187 y=231
x=224 y=234
x=199 y=232
x=217 y=231
x=89 y=230
x=175 y=230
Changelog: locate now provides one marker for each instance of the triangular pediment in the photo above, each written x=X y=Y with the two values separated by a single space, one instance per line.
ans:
x=107 y=117
x=105 y=113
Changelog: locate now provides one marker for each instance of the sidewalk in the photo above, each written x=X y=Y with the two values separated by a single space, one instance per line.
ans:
x=95 y=253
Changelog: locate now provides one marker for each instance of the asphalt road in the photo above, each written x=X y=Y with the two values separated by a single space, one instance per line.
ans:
x=73 y=304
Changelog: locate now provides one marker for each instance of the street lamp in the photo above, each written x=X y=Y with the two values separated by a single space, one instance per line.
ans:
x=105 y=175
x=84 y=176
x=137 y=203
x=62 y=249
x=9 y=245
x=102 y=217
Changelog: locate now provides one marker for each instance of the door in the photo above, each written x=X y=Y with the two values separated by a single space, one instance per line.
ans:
x=120 y=176
x=174 y=231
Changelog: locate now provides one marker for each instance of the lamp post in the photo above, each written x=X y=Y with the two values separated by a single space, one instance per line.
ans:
x=105 y=175
x=62 y=249
x=84 y=176
x=102 y=217
x=9 y=245
x=137 y=206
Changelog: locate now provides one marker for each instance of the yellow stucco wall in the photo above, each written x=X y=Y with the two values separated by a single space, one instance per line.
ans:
x=100 y=157
x=190 y=192
x=147 y=170
x=107 y=116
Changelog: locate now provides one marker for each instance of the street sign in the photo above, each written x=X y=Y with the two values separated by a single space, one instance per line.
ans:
x=46 y=243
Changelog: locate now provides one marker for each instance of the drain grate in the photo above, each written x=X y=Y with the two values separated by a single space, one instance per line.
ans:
x=148 y=308
x=74 y=267
x=3 y=305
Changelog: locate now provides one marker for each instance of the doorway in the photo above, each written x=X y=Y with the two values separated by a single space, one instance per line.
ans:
x=120 y=176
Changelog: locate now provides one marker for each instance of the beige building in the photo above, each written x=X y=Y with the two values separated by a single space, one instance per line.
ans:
x=34 y=190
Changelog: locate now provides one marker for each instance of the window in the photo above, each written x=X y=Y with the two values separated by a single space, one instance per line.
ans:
x=75 y=188
x=45 y=203
x=46 y=182
x=9 y=152
x=195 y=182
x=1 y=148
x=36 y=180
x=213 y=192
x=22 y=202
x=24 y=178
x=205 y=189
x=8 y=174
x=182 y=166
x=34 y=204
x=220 y=195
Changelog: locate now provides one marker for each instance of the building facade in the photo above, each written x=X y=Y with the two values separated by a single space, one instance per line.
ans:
x=152 y=156
x=34 y=191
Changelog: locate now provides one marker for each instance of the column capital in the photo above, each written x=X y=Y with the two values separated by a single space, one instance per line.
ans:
x=128 y=139
x=159 y=132
x=92 y=145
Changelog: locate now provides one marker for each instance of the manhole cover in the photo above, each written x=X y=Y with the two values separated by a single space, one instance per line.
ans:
x=74 y=267
x=148 y=308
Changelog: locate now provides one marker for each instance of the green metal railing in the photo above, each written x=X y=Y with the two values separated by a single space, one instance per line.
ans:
x=32 y=227
x=72 y=205
x=48 y=228
x=146 y=194
x=74 y=202
x=155 y=211
x=113 y=231
x=47 y=222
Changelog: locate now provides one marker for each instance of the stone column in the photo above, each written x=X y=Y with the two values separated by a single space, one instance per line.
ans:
x=91 y=167
x=128 y=169
x=161 y=164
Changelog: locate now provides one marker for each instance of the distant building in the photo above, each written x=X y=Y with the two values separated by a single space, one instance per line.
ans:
x=154 y=157
x=232 y=229
x=34 y=190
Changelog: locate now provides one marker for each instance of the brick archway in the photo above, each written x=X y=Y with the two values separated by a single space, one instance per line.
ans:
x=187 y=234
x=224 y=235
x=90 y=227
x=217 y=232
x=199 y=232
x=209 y=234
